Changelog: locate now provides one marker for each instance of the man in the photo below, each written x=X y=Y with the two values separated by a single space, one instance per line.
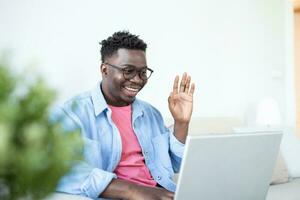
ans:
x=129 y=153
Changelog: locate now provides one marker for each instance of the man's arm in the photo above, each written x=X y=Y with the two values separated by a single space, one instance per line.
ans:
x=84 y=178
x=181 y=105
x=122 y=189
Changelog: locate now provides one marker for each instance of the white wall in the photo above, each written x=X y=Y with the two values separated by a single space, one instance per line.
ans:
x=231 y=47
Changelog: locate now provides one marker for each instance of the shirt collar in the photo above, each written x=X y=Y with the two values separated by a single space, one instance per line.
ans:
x=99 y=102
x=137 y=110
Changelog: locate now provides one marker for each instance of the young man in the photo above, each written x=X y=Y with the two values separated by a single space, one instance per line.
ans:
x=129 y=153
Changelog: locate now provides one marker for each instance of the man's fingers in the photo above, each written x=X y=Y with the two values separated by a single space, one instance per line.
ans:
x=183 y=82
x=169 y=195
x=170 y=97
x=187 y=85
x=192 y=89
x=175 y=85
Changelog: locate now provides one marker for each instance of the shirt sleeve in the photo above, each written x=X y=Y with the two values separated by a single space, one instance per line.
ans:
x=176 y=151
x=84 y=178
x=176 y=146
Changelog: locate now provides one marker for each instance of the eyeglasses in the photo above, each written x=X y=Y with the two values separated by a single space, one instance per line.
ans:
x=130 y=71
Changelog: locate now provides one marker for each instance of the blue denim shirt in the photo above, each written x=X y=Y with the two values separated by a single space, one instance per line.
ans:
x=103 y=147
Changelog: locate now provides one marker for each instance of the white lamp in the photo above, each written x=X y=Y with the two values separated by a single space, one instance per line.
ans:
x=268 y=113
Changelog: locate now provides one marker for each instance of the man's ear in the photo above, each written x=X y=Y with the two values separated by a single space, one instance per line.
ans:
x=103 y=69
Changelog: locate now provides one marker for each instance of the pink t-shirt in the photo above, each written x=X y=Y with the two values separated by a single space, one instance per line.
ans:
x=132 y=166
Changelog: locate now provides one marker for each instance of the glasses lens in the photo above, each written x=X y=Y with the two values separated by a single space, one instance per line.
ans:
x=129 y=72
x=144 y=74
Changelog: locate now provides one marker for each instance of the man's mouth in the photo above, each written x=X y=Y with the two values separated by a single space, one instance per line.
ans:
x=132 y=89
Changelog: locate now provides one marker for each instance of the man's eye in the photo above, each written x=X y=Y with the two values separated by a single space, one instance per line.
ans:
x=129 y=71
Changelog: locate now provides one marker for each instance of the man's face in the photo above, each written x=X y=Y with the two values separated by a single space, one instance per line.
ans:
x=117 y=90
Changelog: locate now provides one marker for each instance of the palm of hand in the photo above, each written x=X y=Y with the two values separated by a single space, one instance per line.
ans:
x=181 y=106
x=181 y=99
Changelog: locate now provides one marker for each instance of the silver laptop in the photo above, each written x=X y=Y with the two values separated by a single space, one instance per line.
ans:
x=228 y=167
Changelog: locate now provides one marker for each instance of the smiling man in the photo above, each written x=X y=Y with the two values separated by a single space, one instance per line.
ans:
x=129 y=153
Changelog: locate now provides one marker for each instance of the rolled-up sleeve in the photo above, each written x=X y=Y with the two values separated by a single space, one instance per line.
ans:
x=86 y=181
x=176 y=146
x=96 y=182
x=176 y=152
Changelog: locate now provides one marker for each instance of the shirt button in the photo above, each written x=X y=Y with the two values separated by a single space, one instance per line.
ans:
x=158 y=177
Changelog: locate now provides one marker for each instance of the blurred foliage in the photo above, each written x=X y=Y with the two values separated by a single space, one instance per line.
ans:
x=34 y=152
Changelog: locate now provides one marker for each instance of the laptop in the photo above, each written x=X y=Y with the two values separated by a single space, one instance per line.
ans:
x=228 y=166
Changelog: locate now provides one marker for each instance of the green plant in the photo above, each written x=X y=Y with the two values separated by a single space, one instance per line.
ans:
x=34 y=152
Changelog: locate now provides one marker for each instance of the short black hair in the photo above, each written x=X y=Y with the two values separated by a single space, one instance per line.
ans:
x=120 y=39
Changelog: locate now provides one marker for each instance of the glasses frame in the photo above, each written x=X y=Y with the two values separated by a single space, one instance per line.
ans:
x=137 y=71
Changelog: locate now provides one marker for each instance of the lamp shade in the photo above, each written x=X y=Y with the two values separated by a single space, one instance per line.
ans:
x=268 y=113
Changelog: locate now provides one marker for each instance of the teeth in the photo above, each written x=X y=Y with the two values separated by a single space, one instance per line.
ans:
x=132 y=89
